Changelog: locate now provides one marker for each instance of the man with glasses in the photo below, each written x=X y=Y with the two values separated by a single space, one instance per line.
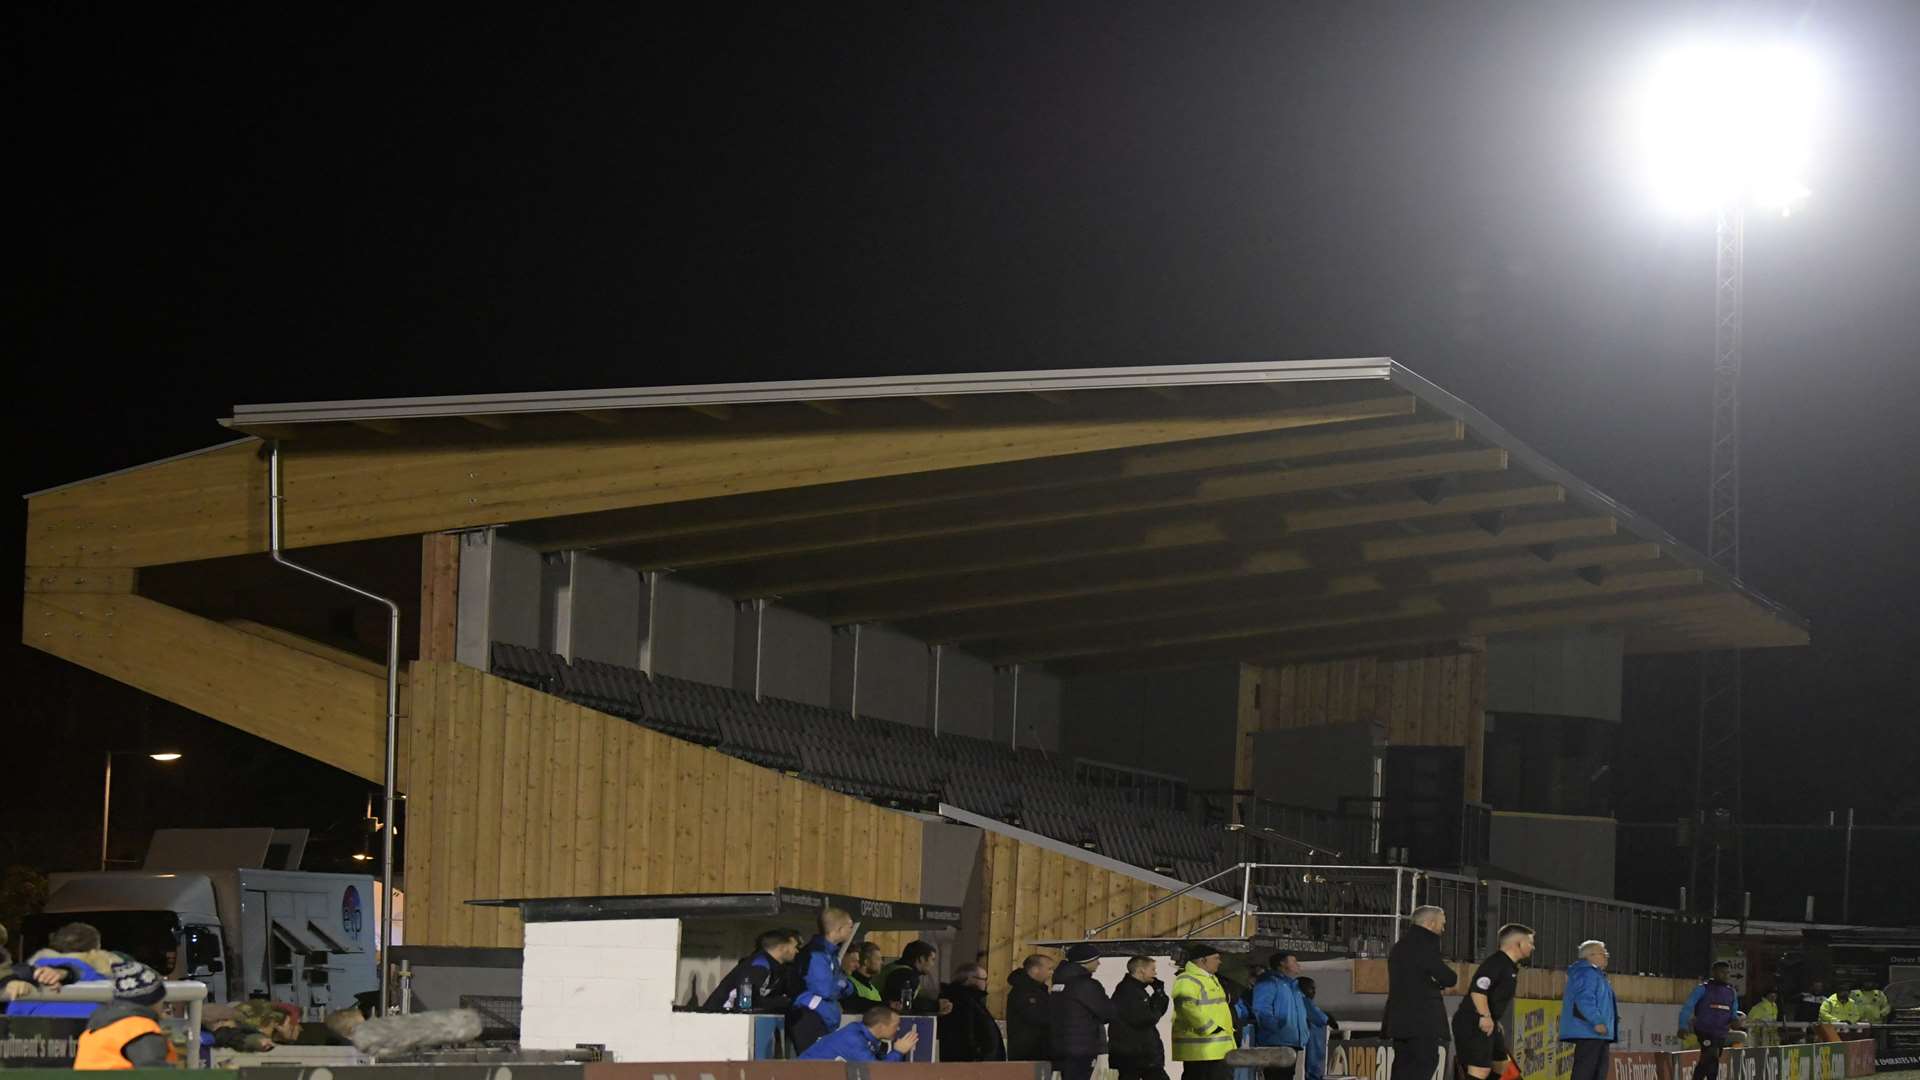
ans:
x=968 y=1032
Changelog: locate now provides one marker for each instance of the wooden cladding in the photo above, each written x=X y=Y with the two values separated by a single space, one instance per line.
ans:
x=1437 y=700
x=1032 y=893
x=518 y=793
x=439 y=595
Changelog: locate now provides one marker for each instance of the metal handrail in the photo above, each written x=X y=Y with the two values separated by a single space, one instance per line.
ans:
x=100 y=992
x=1109 y=924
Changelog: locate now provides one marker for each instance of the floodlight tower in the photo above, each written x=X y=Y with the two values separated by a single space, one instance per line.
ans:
x=1726 y=128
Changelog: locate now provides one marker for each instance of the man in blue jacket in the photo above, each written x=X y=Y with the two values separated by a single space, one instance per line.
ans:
x=1279 y=1009
x=1589 y=1013
x=1709 y=1015
x=816 y=1012
x=1317 y=1024
x=866 y=1040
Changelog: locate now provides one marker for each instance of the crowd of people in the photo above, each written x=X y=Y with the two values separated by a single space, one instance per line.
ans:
x=126 y=1032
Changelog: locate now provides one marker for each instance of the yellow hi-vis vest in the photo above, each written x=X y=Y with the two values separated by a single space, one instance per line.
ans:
x=1838 y=1010
x=1202 y=1017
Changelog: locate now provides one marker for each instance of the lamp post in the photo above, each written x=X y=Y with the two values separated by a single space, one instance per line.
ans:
x=165 y=757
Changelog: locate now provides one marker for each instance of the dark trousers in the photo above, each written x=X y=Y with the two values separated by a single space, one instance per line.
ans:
x=804 y=1028
x=1590 y=1058
x=1709 y=1066
x=1149 y=1072
x=1286 y=1073
x=1075 y=1068
x=1415 y=1059
x=1205 y=1070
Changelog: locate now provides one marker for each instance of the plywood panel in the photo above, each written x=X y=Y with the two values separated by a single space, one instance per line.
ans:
x=663 y=814
x=611 y=858
x=541 y=710
x=765 y=871
x=736 y=856
x=463 y=736
x=487 y=780
x=422 y=816
x=439 y=594
x=689 y=858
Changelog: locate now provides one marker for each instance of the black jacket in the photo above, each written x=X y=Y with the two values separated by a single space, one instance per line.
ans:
x=1416 y=975
x=1077 y=1014
x=1027 y=1018
x=969 y=1033
x=771 y=992
x=1133 y=1039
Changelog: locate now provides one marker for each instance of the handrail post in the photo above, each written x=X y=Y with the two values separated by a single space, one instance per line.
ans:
x=1246 y=895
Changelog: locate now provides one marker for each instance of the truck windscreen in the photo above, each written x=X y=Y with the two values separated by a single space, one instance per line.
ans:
x=151 y=937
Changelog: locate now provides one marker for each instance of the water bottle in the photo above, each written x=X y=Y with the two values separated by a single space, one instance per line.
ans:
x=743 y=1001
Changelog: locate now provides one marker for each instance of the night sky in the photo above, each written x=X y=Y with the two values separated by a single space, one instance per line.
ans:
x=218 y=205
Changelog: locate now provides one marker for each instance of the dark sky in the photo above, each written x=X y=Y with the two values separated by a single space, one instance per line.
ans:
x=218 y=205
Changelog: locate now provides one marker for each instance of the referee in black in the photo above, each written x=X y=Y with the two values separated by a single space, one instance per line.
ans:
x=1477 y=1038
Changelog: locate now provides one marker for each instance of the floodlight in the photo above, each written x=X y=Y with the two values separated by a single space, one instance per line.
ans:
x=1724 y=126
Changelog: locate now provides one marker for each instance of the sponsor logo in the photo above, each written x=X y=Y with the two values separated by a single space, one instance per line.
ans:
x=803 y=900
x=878 y=909
x=940 y=913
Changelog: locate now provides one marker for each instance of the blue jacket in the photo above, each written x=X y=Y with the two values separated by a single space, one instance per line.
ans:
x=825 y=983
x=1710 y=1010
x=1279 y=1012
x=1588 y=1001
x=851 y=1043
x=1316 y=1049
x=82 y=972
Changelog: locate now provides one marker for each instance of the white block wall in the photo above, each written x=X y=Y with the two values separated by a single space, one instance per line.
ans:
x=611 y=983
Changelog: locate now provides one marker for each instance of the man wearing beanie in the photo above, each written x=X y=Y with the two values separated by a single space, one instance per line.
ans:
x=1078 y=1013
x=125 y=1033
x=1202 y=1017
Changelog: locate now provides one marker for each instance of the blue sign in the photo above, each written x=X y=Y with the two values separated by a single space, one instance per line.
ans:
x=350 y=911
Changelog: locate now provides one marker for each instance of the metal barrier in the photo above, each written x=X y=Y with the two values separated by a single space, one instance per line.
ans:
x=193 y=994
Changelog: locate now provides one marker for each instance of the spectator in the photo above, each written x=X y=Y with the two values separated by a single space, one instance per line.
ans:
x=1318 y=1024
x=865 y=1041
x=759 y=979
x=816 y=1011
x=125 y=1033
x=1416 y=1016
x=1278 y=1010
x=1078 y=1013
x=1133 y=1038
x=903 y=982
x=17 y=980
x=1027 y=1009
x=969 y=1032
x=1870 y=1004
x=1478 y=1040
x=1710 y=1014
x=1837 y=1009
x=1590 y=1014
x=1810 y=1002
x=862 y=967
x=74 y=952
x=1202 y=1017
x=1766 y=1010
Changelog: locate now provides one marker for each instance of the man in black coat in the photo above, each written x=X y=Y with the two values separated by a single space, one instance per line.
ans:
x=761 y=982
x=1027 y=1010
x=1133 y=1039
x=1078 y=1013
x=1416 y=1018
x=967 y=1031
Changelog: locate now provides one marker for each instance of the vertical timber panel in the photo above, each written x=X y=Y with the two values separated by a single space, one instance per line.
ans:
x=1476 y=725
x=439 y=595
x=422 y=818
x=487 y=779
x=465 y=801
x=589 y=759
x=537 y=856
x=612 y=857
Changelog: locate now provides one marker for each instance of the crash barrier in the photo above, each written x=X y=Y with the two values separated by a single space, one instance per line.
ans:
x=50 y=1042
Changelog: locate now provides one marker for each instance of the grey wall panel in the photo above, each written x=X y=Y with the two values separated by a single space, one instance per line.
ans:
x=1314 y=766
x=1038 y=700
x=691 y=634
x=499 y=596
x=966 y=694
x=796 y=660
x=893 y=676
x=1179 y=722
x=1573 y=672
x=603 y=608
x=1573 y=854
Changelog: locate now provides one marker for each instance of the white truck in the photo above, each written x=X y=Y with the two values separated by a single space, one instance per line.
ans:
x=244 y=929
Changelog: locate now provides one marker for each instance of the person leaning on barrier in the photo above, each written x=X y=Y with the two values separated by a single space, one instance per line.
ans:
x=1590 y=1013
x=861 y=965
x=73 y=954
x=757 y=982
x=1710 y=1014
x=903 y=982
x=865 y=1041
x=125 y=1033
x=1766 y=1010
x=1416 y=1016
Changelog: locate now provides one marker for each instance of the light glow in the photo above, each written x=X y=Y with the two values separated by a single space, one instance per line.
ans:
x=1727 y=125
x=165 y=755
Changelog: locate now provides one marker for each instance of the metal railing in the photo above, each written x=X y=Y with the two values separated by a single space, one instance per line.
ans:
x=192 y=994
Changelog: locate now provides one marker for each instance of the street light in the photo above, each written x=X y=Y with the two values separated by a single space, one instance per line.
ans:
x=165 y=757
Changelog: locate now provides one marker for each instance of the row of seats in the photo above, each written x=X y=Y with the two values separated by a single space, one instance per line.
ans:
x=894 y=764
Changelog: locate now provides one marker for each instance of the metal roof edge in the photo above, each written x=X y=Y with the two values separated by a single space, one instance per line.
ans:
x=1578 y=489
x=758 y=393
x=142 y=465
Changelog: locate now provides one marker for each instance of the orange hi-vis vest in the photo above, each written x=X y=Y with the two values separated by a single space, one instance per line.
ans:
x=105 y=1047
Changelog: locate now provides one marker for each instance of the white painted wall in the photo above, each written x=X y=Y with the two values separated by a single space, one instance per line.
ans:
x=611 y=983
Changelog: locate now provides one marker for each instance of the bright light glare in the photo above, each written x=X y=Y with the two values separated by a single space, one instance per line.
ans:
x=1724 y=125
x=165 y=755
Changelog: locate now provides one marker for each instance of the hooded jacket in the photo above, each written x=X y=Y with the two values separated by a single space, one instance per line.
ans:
x=1027 y=1020
x=1133 y=1038
x=1078 y=1013
x=825 y=985
x=1279 y=1011
x=1416 y=975
x=969 y=1032
x=1588 y=1001
x=81 y=967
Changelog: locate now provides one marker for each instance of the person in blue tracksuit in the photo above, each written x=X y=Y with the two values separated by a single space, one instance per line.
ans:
x=1279 y=1010
x=1589 y=1014
x=1317 y=1024
x=816 y=1012
x=866 y=1040
x=1710 y=1014
x=74 y=952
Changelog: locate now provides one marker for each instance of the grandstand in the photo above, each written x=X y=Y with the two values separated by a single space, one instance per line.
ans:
x=1047 y=644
